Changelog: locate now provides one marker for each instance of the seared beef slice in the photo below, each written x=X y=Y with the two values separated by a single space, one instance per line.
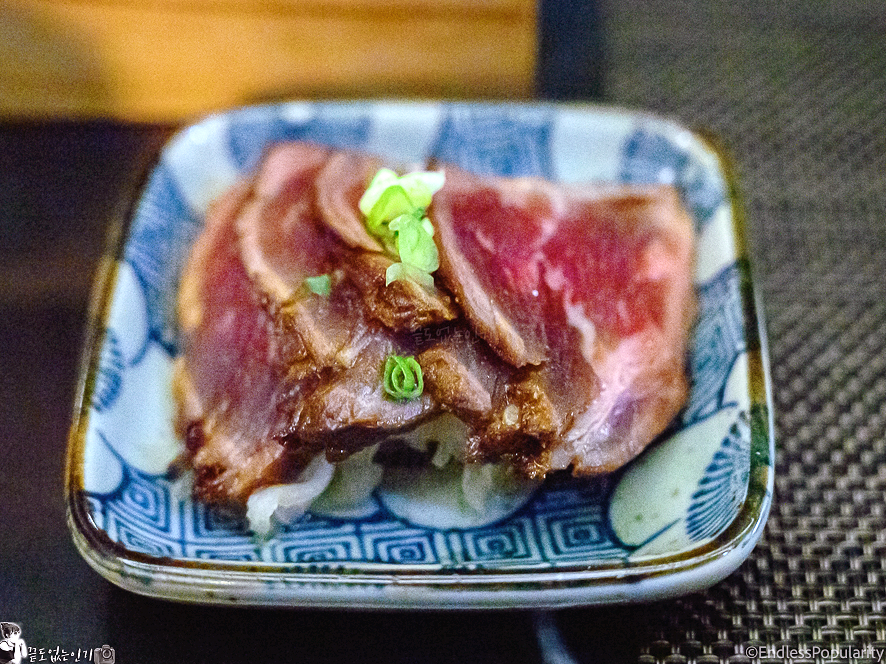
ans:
x=588 y=288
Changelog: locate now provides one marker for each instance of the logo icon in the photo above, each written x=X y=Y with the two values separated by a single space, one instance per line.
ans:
x=12 y=647
x=104 y=655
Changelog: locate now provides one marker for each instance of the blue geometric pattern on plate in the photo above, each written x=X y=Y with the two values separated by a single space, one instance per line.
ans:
x=724 y=485
x=566 y=521
x=142 y=515
x=335 y=543
x=487 y=141
x=162 y=232
x=110 y=374
x=718 y=340
x=650 y=157
x=250 y=132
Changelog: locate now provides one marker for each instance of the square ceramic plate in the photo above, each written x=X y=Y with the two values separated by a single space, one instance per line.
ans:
x=681 y=517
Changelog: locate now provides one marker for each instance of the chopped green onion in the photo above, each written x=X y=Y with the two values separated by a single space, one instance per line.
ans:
x=392 y=203
x=320 y=285
x=419 y=186
x=380 y=181
x=407 y=272
x=394 y=207
x=403 y=378
x=414 y=243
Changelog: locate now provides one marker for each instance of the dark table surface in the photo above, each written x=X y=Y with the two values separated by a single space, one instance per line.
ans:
x=797 y=94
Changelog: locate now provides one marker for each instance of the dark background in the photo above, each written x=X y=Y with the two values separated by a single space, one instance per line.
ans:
x=795 y=91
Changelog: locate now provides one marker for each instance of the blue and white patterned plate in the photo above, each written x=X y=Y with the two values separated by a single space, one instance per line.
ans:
x=681 y=517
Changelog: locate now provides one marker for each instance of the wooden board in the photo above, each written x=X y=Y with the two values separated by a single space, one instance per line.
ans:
x=167 y=60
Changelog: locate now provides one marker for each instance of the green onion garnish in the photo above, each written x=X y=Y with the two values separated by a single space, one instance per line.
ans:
x=402 y=378
x=419 y=187
x=405 y=271
x=394 y=207
x=320 y=285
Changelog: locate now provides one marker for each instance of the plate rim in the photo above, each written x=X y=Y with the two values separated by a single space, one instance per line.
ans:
x=397 y=586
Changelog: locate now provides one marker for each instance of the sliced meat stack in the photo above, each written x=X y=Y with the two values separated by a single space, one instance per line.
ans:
x=556 y=329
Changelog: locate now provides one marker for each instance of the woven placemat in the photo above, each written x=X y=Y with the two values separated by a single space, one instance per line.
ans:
x=796 y=93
